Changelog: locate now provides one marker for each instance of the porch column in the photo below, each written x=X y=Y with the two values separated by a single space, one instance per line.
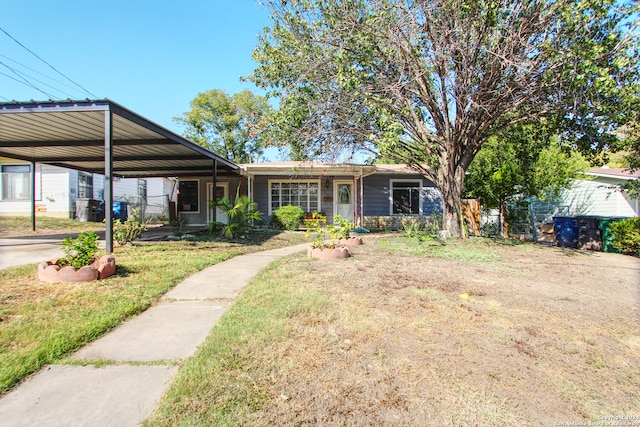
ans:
x=33 y=196
x=215 y=184
x=362 y=199
x=108 y=180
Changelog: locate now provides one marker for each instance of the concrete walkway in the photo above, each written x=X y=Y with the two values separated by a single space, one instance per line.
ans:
x=142 y=355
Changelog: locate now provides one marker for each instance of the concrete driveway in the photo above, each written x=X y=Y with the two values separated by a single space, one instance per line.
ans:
x=27 y=250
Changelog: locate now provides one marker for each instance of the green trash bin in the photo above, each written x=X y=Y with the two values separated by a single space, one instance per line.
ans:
x=607 y=235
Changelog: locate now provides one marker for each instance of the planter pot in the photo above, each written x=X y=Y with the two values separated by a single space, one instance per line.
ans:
x=328 y=253
x=351 y=241
x=101 y=268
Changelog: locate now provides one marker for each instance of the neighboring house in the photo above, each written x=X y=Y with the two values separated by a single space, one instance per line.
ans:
x=600 y=194
x=57 y=189
x=374 y=196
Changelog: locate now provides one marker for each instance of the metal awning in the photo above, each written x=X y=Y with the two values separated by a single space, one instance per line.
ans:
x=71 y=134
x=100 y=136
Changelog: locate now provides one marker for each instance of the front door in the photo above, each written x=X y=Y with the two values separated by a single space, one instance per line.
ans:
x=343 y=202
x=222 y=190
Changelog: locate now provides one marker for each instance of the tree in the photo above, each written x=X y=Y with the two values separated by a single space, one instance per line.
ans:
x=227 y=125
x=520 y=162
x=428 y=82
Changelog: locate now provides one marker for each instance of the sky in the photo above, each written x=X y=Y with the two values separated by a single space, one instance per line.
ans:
x=150 y=56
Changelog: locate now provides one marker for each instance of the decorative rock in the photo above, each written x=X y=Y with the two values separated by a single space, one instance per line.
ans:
x=328 y=253
x=101 y=268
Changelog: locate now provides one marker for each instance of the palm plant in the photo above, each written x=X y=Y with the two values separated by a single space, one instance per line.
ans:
x=241 y=213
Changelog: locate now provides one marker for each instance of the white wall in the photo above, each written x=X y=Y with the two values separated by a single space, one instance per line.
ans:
x=600 y=196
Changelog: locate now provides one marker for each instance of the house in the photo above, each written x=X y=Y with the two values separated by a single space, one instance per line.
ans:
x=57 y=189
x=599 y=193
x=373 y=196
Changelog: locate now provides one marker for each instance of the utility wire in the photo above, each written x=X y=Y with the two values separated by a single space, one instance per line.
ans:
x=38 y=72
x=23 y=74
x=51 y=66
x=28 y=84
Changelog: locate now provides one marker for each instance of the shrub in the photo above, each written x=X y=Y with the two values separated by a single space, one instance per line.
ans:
x=80 y=251
x=345 y=229
x=317 y=226
x=287 y=217
x=240 y=214
x=129 y=230
x=626 y=235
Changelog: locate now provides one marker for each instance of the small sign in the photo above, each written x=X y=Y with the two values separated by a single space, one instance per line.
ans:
x=327 y=199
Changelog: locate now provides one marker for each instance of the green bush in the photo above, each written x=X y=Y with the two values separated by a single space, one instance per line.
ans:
x=80 y=251
x=287 y=217
x=240 y=213
x=129 y=230
x=626 y=235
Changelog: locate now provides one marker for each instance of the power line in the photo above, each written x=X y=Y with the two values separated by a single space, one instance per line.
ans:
x=51 y=66
x=22 y=75
x=28 y=84
x=38 y=72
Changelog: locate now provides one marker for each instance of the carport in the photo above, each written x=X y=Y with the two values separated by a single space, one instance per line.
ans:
x=100 y=136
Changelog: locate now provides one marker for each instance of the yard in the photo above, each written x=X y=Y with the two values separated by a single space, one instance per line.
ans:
x=475 y=332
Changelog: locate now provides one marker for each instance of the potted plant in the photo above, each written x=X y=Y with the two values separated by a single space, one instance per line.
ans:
x=321 y=246
x=343 y=232
x=80 y=263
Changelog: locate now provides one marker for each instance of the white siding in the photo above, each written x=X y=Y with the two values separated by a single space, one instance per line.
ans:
x=600 y=196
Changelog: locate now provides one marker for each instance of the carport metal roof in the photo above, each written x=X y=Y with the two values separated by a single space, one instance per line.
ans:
x=102 y=137
x=72 y=134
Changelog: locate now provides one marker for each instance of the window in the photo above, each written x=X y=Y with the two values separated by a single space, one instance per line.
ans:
x=85 y=186
x=304 y=194
x=142 y=190
x=188 y=200
x=16 y=180
x=405 y=197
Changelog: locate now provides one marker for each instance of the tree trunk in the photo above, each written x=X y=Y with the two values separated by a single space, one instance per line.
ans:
x=451 y=185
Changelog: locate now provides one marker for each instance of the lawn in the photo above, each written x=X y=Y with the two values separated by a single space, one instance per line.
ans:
x=467 y=333
x=21 y=226
x=42 y=323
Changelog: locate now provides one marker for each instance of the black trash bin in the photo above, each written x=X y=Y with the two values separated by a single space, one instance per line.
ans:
x=589 y=233
x=566 y=231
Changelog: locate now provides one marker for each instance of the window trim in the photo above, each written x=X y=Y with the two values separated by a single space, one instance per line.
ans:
x=420 y=186
x=293 y=181
x=30 y=187
x=197 y=181
x=89 y=175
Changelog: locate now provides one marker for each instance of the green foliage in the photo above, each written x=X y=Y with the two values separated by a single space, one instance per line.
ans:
x=287 y=217
x=371 y=75
x=230 y=126
x=343 y=229
x=626 y=235
x=129 y=230
x=317 y=226
x=80 y=251
x=240 y=213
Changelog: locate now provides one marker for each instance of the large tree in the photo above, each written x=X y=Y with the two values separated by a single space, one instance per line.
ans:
x=228 y=125
x=427 y=82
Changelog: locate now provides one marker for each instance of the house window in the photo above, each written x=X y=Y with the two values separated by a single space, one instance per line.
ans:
x=405 y=197
x=304 y=194
x=16 y=181
x=85 y=186
x=188 y=196
x=142 y=190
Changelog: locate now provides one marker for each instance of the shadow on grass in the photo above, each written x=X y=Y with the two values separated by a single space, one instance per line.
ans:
x=256 y=236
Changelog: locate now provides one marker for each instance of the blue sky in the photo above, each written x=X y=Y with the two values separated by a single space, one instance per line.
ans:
x=152 y=57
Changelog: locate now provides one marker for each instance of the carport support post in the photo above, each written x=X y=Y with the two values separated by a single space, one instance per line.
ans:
x=33 y=196
x=215 y=184
x=108 y=180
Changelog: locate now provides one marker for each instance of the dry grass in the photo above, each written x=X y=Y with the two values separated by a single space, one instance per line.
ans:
x=384 y=338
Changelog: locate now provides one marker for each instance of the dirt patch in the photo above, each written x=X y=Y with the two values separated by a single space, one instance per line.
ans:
x=527 y=335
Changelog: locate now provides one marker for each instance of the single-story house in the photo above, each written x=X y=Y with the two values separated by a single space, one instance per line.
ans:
x=599 y=193
x=57 y=189
x=373 y=196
